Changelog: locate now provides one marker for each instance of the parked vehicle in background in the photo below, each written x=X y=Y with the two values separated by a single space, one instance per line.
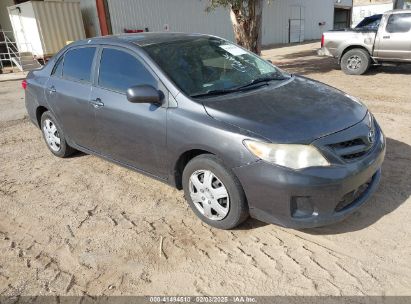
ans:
x=357 y=49
x=240 y=136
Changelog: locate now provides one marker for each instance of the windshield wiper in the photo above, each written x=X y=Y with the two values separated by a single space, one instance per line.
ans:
x=253 y=84
x=260 y=80
x=215 y=92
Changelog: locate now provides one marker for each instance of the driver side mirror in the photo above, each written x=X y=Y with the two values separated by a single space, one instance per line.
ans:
x=144 y=94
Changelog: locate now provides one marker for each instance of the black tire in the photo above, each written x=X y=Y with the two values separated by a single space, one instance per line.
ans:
x=64 y=149
x=362 y=62
x=238 y=208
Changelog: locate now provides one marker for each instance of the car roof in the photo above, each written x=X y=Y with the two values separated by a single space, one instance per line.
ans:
x=376 y=16
x=399 y=11
x=143 y=39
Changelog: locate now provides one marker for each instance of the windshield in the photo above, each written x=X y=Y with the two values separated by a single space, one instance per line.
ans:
x=203 y=65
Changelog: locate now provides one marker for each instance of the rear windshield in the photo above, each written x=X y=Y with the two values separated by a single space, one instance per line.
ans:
x=370 y=22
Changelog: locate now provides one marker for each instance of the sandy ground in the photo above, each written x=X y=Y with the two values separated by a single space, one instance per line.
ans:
x=85 y=226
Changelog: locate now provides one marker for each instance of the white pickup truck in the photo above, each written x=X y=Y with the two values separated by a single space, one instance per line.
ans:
x=357 y=49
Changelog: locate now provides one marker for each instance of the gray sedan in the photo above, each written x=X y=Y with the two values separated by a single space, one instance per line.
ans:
x=240 y=136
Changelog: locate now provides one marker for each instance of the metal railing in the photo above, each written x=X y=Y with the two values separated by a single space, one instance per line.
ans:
x=12 y=53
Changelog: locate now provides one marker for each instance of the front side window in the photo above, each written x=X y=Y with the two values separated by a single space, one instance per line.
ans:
x=120 y=70
x=399 y=23
x=200 y=65
x=78 y=63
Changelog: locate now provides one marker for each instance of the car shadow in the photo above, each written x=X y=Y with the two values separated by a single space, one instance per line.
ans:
x=393 y=191
x=277 y=46
x=302 y=55
x=250 y=224
x=77 y=154
x=306 y=66
x=402 y=69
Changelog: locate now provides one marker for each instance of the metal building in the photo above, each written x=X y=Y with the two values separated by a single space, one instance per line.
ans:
x=42 y=28
x=284 y=21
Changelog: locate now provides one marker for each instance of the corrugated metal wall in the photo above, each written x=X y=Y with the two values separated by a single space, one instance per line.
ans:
x=179 y=15
x=58 y=23
x=276 y=17
x=190 y=16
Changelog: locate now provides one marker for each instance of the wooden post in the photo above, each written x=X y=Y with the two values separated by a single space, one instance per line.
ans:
x=102 y=17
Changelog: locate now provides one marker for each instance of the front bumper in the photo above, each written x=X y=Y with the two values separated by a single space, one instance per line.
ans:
x=274 y=193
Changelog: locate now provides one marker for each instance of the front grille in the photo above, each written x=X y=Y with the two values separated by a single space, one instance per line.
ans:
x=354 y=148
x=351 y=150
x=354 y=155
x=351 y=197
x=348 y=143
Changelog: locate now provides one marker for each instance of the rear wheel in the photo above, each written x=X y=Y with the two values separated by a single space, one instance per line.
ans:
x=54 y=136
x=214 y=192
x=355 y=62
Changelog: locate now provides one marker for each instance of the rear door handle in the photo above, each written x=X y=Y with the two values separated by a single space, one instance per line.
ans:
x=386 y=37
x=52 y=89
x=97 y=103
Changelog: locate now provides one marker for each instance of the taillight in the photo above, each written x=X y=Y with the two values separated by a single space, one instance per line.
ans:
x=322 y=40
x=24 y=84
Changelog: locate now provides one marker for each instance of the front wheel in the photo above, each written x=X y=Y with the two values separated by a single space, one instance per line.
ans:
x=355 y=62
x=214 y=192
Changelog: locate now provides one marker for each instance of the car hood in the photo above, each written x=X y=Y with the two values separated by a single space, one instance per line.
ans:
x=299 y=110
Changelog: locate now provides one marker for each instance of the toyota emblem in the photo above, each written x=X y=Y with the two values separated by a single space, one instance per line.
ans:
x=371 y=136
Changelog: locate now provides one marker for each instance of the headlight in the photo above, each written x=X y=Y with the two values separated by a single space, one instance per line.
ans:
x=287 y=155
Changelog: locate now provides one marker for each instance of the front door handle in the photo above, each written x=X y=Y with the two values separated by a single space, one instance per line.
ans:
x=386 y=37
x=97 y=103
x=52 y=89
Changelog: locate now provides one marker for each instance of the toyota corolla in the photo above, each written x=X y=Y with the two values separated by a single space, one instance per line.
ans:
x=239 y=135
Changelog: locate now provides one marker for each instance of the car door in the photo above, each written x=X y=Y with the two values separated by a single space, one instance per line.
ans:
x=68 y=93
x=394 y=38
x=131 y=133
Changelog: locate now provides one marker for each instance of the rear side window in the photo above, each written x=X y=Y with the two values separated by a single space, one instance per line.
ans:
x=78 y=63
x=399 y=23
x=120 y=70
x=58 y=68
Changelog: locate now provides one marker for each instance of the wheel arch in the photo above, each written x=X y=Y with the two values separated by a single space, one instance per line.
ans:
x=352 y=47
x=39 y=112
x=181 y=163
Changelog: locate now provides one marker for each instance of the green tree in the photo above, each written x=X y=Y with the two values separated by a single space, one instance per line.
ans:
x=246 y=17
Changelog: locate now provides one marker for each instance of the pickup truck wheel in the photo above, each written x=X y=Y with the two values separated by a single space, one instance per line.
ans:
x=355 y=62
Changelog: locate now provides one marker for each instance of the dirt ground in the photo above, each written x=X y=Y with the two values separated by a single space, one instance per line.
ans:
x=85 y=226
